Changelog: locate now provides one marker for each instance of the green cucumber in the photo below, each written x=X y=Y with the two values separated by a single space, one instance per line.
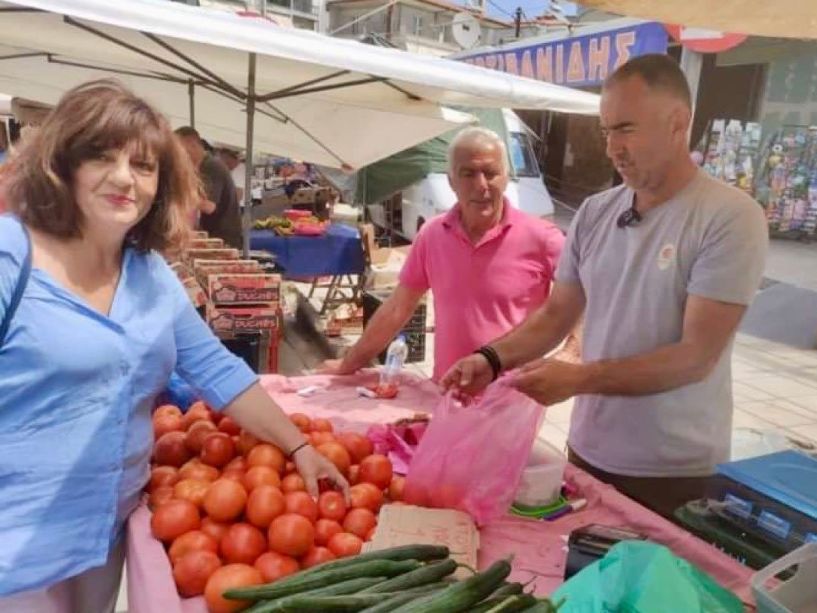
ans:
x=429 y=573
x=352 y=602
x=505 y=604
x=336 y=589
x=401 y=598
x=463 y=595
x=423 y=553
x=277 y=589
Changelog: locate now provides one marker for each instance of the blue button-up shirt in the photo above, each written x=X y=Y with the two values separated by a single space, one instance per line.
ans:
x=76 y=393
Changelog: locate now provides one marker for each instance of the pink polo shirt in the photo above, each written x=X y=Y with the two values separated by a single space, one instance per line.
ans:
x=481 y=291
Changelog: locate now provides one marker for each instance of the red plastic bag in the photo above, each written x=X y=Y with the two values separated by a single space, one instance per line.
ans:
x=472 y=457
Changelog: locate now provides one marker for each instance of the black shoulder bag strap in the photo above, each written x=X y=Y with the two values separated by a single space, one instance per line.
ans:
x=25 y=273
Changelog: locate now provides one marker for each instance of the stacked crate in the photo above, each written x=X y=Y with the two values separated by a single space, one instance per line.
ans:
x=243 y=303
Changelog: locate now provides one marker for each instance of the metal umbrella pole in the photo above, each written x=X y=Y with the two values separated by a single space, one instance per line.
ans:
x=248 y=156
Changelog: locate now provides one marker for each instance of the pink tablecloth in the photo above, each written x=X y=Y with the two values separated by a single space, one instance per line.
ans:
x=539 y=547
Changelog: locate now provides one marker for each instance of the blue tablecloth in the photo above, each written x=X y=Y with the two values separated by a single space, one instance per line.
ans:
x=338 y=252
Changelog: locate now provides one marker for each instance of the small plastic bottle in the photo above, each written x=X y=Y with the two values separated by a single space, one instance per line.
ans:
x=395 y=358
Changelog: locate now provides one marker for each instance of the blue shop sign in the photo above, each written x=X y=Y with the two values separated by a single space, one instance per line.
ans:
x=578 y=61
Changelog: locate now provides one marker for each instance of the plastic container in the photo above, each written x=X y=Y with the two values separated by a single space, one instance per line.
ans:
x=541 y=481
x=797 y=594
x=395 y=358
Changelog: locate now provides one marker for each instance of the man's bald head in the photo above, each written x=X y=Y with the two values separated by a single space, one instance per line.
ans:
x=659 y=72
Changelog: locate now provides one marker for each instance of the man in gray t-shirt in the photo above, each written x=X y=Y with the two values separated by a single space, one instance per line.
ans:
x=663 y=268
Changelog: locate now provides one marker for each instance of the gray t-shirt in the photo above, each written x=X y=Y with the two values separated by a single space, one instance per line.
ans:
x=710 y=240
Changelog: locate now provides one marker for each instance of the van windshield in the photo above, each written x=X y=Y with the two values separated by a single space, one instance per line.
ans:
x=522 y=157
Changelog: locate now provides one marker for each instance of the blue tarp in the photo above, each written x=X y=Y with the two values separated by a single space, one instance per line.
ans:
x=338 y=252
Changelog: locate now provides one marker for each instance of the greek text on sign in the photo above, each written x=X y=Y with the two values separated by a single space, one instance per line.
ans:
x=577 y=60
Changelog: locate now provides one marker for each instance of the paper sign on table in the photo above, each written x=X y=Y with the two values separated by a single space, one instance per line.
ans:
x=410 y=525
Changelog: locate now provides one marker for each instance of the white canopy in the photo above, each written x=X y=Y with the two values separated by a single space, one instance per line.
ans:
x=330 y=101
x=784 y=18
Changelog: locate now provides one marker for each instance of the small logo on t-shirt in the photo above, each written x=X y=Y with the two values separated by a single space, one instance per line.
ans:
x=666 y=256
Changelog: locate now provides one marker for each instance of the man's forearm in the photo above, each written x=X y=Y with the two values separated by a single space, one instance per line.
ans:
x=382 y=328
x=664 y=369
x=539 y=334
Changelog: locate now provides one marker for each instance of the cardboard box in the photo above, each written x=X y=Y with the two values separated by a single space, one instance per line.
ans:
x=206 y=243
x=411 y=525
x=211 y=254
x=205 y=268
x=228 y=288
x=245 y=317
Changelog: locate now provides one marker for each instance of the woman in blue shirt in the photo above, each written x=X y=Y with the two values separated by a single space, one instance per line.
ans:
x=103 y=322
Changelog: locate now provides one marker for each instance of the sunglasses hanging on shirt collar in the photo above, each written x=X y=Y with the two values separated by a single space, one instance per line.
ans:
x=630 y=217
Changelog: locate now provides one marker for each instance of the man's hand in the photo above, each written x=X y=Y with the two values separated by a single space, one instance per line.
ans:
x=469 y=376
x=336 y=367
x=207 y=207
x=549 y=381
x=313 y=466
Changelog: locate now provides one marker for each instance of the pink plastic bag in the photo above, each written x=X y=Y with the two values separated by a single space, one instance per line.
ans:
x=472 y=457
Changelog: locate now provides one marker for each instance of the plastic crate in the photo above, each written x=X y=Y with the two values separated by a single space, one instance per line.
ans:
x=797 y=594
x=414 y=330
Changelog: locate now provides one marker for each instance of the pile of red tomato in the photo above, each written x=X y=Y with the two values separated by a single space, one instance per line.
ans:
x=232 y=510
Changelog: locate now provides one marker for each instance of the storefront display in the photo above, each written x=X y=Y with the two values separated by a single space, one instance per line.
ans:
x=730 y=152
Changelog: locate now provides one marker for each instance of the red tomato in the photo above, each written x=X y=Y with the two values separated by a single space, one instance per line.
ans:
x=370 y=534
x=192 y=571
x=376 y=469
x=214 y=528
x=224 y=578
x=266 y=502
x=302 y=504
x=315 y=556
x=325 y=529
x=167 y=409
x=162 y=424
x=194 y=469
x=291 y=534
x=200 y=430
x=195 y=540
x=198 y=411
x=246 y=442
x=366 y=496
x=170 y=449
x=337 y=454
x=192 y=490
x=261 y=475
x=234 y=475
x=225 y=499
x=293 y=482
x=289 y=467
x=359 y=522
x=237 y=463
x=302 y=421
x=354 y=474
x=319 y=438
x=356 y=444
x=159 y=496
x=396 y=488
x=332 y=505
x=273 y=566
x=320 y=424
x=163 y=475
x=345 y=544
x=243 y=544
x=173 y=519
x=228 y=426
x=218 y=449
x=265 y=454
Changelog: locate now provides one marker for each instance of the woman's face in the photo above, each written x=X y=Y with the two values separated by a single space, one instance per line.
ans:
x=116 y=189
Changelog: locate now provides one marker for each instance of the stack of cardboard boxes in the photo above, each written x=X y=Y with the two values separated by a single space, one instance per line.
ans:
x=240 y=301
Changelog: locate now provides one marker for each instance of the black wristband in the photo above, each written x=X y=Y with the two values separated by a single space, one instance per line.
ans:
x=490 y=354
x=297 y=449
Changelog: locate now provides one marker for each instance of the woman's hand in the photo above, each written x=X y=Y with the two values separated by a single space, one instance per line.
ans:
x=313 y=466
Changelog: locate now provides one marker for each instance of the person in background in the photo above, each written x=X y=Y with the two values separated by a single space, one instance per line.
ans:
x=488 y=264
x=102 y=323
x=225 y=220
x=663 y=268
x=238 y=170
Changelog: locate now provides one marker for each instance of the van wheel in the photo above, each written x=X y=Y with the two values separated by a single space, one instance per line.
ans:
x=420 y=223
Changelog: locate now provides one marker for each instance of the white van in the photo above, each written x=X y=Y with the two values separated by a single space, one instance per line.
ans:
x=432 y=195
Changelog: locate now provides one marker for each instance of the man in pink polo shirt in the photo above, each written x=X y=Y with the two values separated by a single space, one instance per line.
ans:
x=488 y=264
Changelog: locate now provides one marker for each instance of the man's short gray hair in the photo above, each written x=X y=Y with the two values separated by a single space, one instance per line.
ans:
x=480 y=137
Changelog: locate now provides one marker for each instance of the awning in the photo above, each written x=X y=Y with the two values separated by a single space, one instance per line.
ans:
x=784 y=18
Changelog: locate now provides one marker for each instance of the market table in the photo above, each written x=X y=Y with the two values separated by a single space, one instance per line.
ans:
x=338 y=252
x=539 y=547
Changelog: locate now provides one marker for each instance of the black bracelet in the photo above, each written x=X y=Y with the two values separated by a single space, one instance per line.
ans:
x=297 y=449
x=490 y=354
